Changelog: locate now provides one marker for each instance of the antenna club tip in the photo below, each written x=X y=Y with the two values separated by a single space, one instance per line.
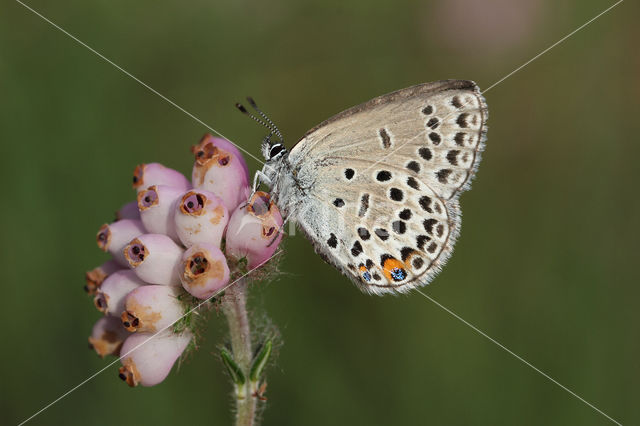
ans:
x=241 y=108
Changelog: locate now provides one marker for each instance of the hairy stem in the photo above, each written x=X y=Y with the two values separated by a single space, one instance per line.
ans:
x=234 y=307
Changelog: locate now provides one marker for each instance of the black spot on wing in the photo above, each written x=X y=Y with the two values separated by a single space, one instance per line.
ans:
x=443 y=175
x=383 y=176
x=396 y=194
x=356 y=249
x=413 y=166
x=382 y=233
x=364 y=205
x=425 y=153
x=348 y=173
x=363 y=233
x=386 y=139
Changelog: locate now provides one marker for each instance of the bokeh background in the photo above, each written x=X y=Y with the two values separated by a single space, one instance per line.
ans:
x=547 y=263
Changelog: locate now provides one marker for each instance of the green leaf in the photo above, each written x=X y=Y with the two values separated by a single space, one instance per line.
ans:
x=260 y=361
x=234 y=370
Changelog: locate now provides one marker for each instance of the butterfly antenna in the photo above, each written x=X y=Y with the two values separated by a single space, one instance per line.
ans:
x=245 y=112
x=272 y=125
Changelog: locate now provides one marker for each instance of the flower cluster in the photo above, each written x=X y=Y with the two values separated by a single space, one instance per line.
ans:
x=179 y=245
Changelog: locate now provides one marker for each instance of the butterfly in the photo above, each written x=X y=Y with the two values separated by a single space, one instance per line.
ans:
x=375 y=188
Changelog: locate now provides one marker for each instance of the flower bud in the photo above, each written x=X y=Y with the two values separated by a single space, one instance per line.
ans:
x=155 y=258
x=147 y=359
x=128 y=211
x=151 y=308
x=114 y=237
x=146 y=175
x=205 y=270
x=253 y=230
x=96 y=276
x=157 y=205
x=107 y=336
x=110 y=297
x=200 y=216
x=220 y=168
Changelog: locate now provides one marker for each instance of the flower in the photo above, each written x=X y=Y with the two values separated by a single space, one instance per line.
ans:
x=174 y=249
x=147 y=359
x=254 y=230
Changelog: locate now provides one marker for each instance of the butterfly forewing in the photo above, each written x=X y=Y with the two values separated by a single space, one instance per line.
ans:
x=383 y=182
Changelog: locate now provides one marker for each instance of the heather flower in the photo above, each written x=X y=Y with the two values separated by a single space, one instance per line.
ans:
x=114 y=237
x=204 y=270
x=128 y=211
x=201 y=217
x=155 y=258
x=147 y=359
x=157 y=204
x=178 y=252
x=109 y=299
x=146 y=175
x=95 y=277
x=254 y=230
x=219 y=168
x=107 y=336
x=151 y=308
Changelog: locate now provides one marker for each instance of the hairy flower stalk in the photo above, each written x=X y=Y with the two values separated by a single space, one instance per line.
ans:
x=234 y=307
x=180 y=251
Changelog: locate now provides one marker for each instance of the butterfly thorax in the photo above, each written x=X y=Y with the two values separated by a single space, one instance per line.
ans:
x=286 y=189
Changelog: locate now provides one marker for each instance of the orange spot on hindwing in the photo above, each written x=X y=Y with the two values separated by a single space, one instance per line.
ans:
x=393 y=269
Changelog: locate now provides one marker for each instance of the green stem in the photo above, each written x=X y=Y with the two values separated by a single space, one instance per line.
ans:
x=234 y=307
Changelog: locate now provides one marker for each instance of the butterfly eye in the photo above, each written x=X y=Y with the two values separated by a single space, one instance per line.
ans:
x=275 y=150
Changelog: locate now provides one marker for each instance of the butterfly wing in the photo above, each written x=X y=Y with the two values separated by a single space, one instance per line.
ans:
x=382 y=181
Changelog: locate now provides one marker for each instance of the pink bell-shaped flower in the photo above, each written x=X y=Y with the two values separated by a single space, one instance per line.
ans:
x=109 y=299
x=95 y=277
x=155 y=258
x=204 y=271
x=146 y=175
x=107 y=336
x=128 y=211
x=114 y=237
x=147 y=361
x=157 y=205
x=254 y=230
x=200 y=217
x=151 y=308
x=219 y=168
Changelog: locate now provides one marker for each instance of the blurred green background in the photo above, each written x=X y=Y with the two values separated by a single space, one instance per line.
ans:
x=547 y=262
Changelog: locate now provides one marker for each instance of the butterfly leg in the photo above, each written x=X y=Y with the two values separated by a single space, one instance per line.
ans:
x=258 y=178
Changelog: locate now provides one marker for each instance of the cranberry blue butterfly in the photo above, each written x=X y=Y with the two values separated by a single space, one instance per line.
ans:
x=376 y=188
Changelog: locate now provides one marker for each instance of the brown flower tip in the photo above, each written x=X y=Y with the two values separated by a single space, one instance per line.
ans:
x=130 y=321
x=94 y=279
x=193 y=203
x=260 y=204
x=138 y=175
x=208 y=155
x=129 y=373
x=101 y=301
x=103 y=237
x=268 y=230
x=199 y=268
x=148 y=198
x=135 y=252
x=205 y=150
x=107 y=344
x=196 y=265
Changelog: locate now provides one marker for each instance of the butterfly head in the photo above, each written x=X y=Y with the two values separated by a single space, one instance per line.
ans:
x=272 y=151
